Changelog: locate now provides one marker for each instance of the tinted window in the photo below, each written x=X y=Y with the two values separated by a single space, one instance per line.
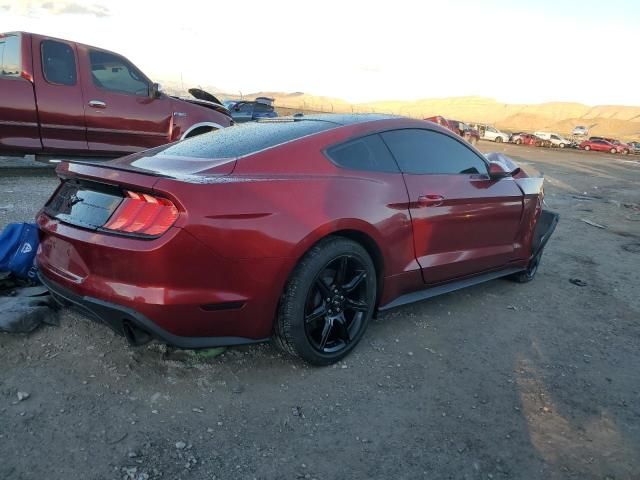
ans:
x=262 y=108
x=425 y=151
x=245 y=107
x=58 y=63
x=244 y=139
x=10 y=56
x=114 y=73
x=366 y=153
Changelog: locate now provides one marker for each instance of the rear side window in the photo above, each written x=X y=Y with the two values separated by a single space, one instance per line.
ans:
x=366 y=153
x=10 y=56
x=428 y=152
x=58 y=63
x=114 y=73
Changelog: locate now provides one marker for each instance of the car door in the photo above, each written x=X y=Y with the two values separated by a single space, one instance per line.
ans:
x=121 y=114
x=600 y=146
x=58 y=95
x=463 y=221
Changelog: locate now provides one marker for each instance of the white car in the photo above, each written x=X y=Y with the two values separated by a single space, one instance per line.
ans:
x=580 y=130
x=490 y=133
x=555 y=139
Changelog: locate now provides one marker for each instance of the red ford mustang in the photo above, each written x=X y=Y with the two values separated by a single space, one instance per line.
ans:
x=297 y=229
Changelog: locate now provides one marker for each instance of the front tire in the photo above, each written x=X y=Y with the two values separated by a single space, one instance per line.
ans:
x=327 y=303
x=587 y=148
x=530 y=273
x=498 y=139
x=613 y=150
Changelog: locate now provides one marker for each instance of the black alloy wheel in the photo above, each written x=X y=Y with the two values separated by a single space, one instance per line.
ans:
x=327 y=303
x=337 y=304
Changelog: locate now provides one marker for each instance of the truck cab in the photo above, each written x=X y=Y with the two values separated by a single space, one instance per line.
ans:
x=63 y=97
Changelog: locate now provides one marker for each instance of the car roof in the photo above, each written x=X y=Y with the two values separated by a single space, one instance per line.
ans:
x=337 y=119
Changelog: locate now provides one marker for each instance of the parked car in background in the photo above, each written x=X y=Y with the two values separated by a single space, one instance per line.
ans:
x=621 y=147
x=580 y=131
x=523 y=138
x=471 y=135
x=635 y=147
x=248 y=110
x=443 y=122
x=555 y=139
x=63 y=97
x=376 y=224
x=598 y=145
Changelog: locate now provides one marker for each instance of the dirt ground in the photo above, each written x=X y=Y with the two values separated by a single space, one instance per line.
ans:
x=534 y=381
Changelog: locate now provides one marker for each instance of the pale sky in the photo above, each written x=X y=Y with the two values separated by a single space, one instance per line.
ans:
x=514 y=51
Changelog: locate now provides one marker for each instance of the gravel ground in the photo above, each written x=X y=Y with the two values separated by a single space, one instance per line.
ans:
x=535 y=381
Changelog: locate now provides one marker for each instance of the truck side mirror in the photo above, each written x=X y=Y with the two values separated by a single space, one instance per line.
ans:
x=155 y=90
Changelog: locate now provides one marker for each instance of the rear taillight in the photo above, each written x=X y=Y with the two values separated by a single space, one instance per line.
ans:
x=143 y=214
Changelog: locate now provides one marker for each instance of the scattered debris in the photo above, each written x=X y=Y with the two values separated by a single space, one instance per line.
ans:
x=578 y=282
x=23 y=396
x=24 y=314
x=180 y=445
x=592 y=223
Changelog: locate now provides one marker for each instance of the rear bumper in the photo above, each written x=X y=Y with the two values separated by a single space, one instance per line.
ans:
x=129 y=323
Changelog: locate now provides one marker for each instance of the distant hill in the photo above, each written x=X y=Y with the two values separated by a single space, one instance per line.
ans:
x=605 y=120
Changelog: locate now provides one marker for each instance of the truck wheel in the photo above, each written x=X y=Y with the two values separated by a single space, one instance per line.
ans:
x=199 y=131
x=327 y=303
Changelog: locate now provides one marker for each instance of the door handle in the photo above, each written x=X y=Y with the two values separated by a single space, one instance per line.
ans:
x=97 y=104
x=430 y=200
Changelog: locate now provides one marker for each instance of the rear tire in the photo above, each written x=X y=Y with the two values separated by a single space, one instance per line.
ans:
x=327 y=303
x=498 y=139
x=587 y=148
x=530 y=273
x=518 y=142
x=562 y=145
x=613 y=150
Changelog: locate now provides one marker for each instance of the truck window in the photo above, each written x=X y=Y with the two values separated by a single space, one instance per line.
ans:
x=58 y=63
x=10 y=56
x=114 y=73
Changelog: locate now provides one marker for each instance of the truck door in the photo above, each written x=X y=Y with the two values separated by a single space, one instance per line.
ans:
x=19 y=130
x=58 y=95
x=120 y=112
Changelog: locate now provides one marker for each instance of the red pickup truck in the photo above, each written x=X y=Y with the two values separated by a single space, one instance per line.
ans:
x=60 y=97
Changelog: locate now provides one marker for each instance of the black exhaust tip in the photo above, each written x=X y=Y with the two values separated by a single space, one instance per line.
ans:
x=135 y=335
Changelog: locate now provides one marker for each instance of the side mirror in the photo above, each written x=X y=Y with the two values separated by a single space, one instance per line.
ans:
x=155 y=90
x=498 y=170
